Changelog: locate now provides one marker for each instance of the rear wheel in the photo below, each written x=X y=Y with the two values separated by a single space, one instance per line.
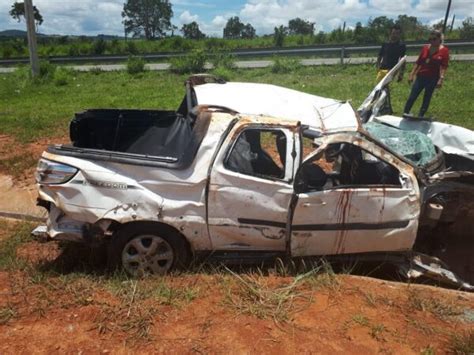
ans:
x=147 y=250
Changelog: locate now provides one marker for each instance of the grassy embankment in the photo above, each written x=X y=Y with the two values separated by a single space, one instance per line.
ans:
x=31 y=111
x=81 y=46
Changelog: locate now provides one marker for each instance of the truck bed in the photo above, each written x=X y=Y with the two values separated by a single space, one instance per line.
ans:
x=135 y=136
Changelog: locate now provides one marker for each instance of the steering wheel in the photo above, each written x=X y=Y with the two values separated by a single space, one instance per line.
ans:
x=332 y=153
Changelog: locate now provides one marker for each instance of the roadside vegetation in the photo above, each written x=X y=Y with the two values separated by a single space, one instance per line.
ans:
x=33 y=110
x=157 y=34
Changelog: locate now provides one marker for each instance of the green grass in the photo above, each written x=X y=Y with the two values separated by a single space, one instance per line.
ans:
x=31 y=111
x=462 y=343
x=17 y=234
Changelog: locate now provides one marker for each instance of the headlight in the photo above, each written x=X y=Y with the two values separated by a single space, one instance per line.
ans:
x=50 y=172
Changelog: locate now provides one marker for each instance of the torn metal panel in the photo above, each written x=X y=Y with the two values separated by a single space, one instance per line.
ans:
x=421 y=265
x=449 y=138
x=373 y=104
x=275 y=101
x=357 y=219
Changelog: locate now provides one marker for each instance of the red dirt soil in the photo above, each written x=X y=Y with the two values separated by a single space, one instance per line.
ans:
x=25 y=155
x=57 y=312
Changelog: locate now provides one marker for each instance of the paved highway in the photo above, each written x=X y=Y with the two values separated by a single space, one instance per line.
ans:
x=250 y=63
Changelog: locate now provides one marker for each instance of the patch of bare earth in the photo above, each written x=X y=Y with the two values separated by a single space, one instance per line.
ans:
x=45 y=309
x=19 y=159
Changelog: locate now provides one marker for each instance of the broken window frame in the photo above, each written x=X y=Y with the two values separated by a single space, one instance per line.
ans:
x=288 y=167
x=324 y=145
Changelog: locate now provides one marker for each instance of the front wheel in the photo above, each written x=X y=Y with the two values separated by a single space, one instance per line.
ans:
x=147 y=250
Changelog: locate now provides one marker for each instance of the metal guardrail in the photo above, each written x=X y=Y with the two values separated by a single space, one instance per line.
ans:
x=340 y=51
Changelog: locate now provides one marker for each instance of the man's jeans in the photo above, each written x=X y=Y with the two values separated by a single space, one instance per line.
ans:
x=429 y=85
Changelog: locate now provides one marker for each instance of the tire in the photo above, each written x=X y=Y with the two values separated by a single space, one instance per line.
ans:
x=142 y=249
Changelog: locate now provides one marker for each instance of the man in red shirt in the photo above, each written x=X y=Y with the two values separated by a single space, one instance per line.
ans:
x=429 y=69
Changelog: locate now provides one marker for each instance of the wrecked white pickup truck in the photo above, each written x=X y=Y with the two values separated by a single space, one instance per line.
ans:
x=231 y=174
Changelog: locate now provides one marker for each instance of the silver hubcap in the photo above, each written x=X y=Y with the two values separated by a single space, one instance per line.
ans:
x=147 y=254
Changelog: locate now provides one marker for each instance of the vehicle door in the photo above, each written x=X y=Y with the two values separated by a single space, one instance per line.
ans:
x=354 y=197
x=251 y=185
x=378 y=102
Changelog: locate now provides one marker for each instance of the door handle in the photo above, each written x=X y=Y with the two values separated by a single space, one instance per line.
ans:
x=315 y=203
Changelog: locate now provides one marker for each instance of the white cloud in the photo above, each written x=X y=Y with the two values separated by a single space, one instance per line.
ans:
x=327 y=14
x=91 y=17
x=335 y=23
x=84 y=17
x=390 y=8
x=432 y=6
x=219 y=21
x=186 y=17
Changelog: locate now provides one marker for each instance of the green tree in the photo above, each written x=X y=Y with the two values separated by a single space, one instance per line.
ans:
x=234 y=28
x=320 y=37
x=248 y=31
x=467 y=29
x=192 y=31
x=99 y=46
x=18 y=12
x=379 y=27
x=438 y=25
x=149 y=17
x=337 y=35
x=298 y=26
x=411 y=27
x=279 y=36
x=359 y=35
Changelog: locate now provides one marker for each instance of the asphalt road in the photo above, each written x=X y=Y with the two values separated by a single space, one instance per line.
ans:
x=250 y=63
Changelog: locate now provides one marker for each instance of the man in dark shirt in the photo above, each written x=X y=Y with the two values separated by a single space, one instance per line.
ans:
x=390 y=53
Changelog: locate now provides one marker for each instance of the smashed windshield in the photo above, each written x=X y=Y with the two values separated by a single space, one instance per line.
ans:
x=413 y=145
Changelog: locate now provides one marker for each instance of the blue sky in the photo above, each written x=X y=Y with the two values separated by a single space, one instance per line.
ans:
x=92 y=17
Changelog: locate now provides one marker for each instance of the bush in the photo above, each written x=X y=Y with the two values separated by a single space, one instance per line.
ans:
x=7 y=52
x=223 y=73
x=46 y=70
x=135 y=65
x=215 y=43
x=115 y=47
x=96 y=70
x=222 y=59
x=73 y=50
x=279 y=36
x=285 y=65
x=131 y=47
x=99 y=46
x=179 y=44
x=192 y=63
x=61 y=76
x=23 y=74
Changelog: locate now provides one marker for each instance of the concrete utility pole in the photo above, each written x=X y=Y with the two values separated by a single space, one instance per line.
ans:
x=452 y=24
x=446 y=17
x=31 y=33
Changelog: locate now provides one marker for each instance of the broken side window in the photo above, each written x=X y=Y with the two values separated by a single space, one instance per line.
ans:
x=259 y=153
x=345 y=164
